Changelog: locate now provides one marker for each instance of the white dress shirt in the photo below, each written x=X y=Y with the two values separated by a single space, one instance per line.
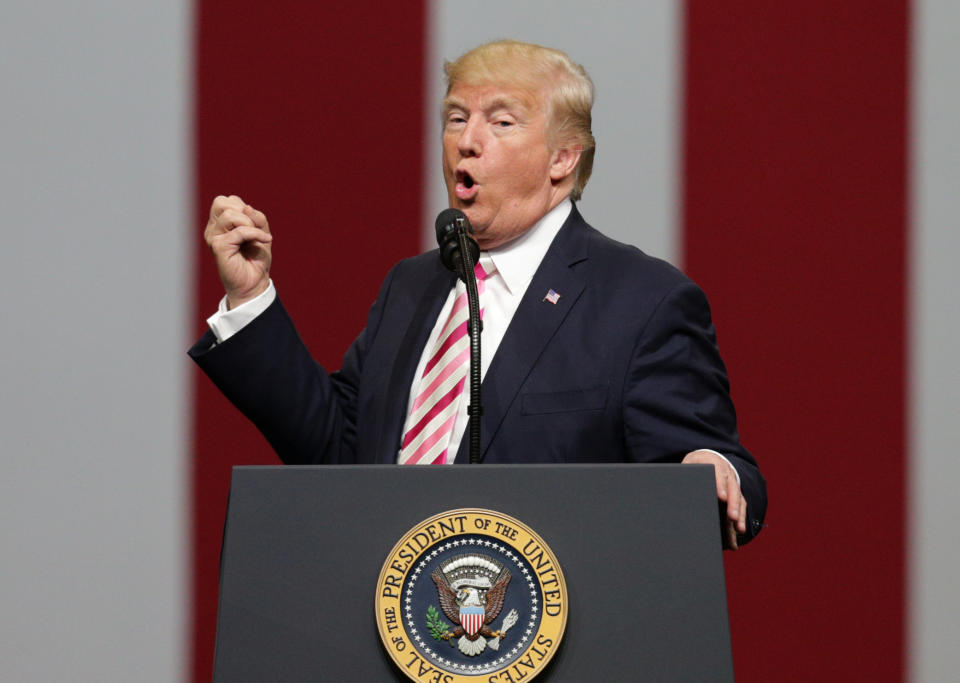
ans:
x=516 y=262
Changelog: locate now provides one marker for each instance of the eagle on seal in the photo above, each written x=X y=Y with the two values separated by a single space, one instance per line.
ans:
x=472 y=602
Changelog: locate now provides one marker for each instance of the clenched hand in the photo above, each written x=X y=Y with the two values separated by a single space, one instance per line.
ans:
x=240 y=239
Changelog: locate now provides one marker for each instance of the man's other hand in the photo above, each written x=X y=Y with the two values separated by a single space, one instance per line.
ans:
x=240 y=238
x=728 y=491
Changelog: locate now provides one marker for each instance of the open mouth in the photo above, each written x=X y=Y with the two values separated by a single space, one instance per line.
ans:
x=465 y=179
x=466 y=187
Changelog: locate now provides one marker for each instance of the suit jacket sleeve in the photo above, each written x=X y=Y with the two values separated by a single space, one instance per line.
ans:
x=309 y=416
x=678 y=395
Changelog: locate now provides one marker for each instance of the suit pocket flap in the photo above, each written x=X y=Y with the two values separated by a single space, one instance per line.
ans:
x=564 y=401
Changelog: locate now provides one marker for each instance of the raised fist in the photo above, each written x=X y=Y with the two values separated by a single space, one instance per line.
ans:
x=240 y=238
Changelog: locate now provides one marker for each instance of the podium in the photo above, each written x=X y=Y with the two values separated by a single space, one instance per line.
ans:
x=639 y=546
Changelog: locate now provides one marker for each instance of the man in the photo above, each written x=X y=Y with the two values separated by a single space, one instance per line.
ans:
x=593 y=351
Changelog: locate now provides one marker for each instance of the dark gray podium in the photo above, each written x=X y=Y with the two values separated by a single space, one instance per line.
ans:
x=639 y=546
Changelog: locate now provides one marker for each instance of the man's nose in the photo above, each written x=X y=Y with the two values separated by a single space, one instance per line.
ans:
x=470 y=142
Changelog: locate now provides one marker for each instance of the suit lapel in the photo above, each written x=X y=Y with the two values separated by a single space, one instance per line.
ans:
x=534 y=324
x=430 y=301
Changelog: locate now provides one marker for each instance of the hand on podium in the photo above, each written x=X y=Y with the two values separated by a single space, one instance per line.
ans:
x=728 y=491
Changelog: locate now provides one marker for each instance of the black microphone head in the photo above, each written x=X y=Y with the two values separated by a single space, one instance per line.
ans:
x=446 y=225
x=448 y=221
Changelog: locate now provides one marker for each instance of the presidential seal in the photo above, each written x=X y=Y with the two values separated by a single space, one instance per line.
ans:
x=471 y=595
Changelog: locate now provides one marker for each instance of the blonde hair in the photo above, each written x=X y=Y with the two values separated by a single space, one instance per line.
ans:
x=533 y=68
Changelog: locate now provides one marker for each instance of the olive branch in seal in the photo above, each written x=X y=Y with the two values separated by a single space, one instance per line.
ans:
x=439 y=629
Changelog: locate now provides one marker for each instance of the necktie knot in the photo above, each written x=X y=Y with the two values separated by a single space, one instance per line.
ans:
x=484 y=268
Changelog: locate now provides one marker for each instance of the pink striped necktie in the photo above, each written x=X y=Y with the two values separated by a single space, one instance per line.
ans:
x=426 y=433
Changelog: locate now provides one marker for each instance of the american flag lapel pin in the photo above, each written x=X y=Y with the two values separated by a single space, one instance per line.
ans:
x=552 y=297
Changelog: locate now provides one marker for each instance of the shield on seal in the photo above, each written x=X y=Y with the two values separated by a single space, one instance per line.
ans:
x=471 y=618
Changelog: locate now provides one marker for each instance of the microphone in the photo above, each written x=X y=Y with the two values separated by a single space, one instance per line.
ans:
x=449 y=223
x=459 y=252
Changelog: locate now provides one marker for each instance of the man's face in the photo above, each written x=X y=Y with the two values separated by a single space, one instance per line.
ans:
x=497 y=164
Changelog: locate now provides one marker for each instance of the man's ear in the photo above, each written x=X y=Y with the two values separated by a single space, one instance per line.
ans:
x=564 y=163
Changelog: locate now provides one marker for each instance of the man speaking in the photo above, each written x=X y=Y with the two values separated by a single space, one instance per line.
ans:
x=593 y=352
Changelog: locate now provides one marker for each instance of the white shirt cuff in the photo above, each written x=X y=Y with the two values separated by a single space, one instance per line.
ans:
x=227 y=322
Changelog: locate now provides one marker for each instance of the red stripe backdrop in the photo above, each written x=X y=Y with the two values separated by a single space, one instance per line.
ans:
x=794 y=218
x=311 y=112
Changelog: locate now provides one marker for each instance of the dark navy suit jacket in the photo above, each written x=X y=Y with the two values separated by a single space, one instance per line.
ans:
x=623 y=368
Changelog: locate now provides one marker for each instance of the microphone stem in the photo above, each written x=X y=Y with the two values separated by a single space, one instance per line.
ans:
x=475 y=408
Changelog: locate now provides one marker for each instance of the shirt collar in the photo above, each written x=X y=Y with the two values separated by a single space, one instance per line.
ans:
x=519 y=259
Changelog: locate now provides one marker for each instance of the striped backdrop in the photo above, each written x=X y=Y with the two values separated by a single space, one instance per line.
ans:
x=799 y=159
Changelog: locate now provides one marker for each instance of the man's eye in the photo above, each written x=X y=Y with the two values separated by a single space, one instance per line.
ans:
x=503 y=124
